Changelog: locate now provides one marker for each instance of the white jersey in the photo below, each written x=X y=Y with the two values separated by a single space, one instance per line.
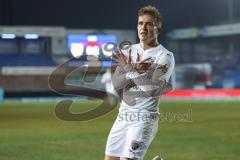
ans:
x=161 y=57
x=136 y=124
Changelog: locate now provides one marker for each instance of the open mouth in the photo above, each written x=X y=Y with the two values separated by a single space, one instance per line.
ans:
x=143 y=33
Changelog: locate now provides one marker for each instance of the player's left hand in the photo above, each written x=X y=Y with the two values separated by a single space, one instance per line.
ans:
x=122 y=59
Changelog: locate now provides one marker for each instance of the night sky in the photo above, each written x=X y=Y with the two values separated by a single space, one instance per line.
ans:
x=114 y=14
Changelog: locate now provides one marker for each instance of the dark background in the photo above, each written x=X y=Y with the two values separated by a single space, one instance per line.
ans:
x=114 y=14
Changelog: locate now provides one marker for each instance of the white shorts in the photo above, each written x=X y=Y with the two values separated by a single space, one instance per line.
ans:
x=131 y=139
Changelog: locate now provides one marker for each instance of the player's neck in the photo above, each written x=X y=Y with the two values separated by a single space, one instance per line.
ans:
x=148 y=45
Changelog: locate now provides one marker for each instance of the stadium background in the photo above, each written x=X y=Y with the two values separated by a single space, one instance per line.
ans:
x=38 y=36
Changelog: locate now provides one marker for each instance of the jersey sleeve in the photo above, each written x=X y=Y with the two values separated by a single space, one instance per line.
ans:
x=164 y=67
x=119 y=77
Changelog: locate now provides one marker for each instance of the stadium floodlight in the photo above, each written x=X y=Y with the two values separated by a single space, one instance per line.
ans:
x=31 y=36
x=77 y=49
x=8 y=36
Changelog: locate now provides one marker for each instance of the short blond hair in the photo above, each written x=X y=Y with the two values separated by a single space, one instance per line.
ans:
x=153 y=11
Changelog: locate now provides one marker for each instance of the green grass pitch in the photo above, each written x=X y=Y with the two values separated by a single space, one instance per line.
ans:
x=31 y=131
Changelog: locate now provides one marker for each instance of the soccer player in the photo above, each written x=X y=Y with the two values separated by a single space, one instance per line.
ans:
x=141 y=76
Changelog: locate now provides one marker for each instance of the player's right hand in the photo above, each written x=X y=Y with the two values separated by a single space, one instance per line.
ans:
x=142 y=66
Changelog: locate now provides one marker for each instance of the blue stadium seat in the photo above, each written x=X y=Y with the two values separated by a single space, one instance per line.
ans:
x=26 y=60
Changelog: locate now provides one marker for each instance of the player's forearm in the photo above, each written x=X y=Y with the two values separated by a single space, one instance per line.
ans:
x=119 y=79
x=124 y=76
x=154 y=81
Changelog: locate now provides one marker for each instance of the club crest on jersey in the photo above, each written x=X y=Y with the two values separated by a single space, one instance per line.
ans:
x=135 y=145
x=163 y=68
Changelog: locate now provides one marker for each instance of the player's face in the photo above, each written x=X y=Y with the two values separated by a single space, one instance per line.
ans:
x=147 y=28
